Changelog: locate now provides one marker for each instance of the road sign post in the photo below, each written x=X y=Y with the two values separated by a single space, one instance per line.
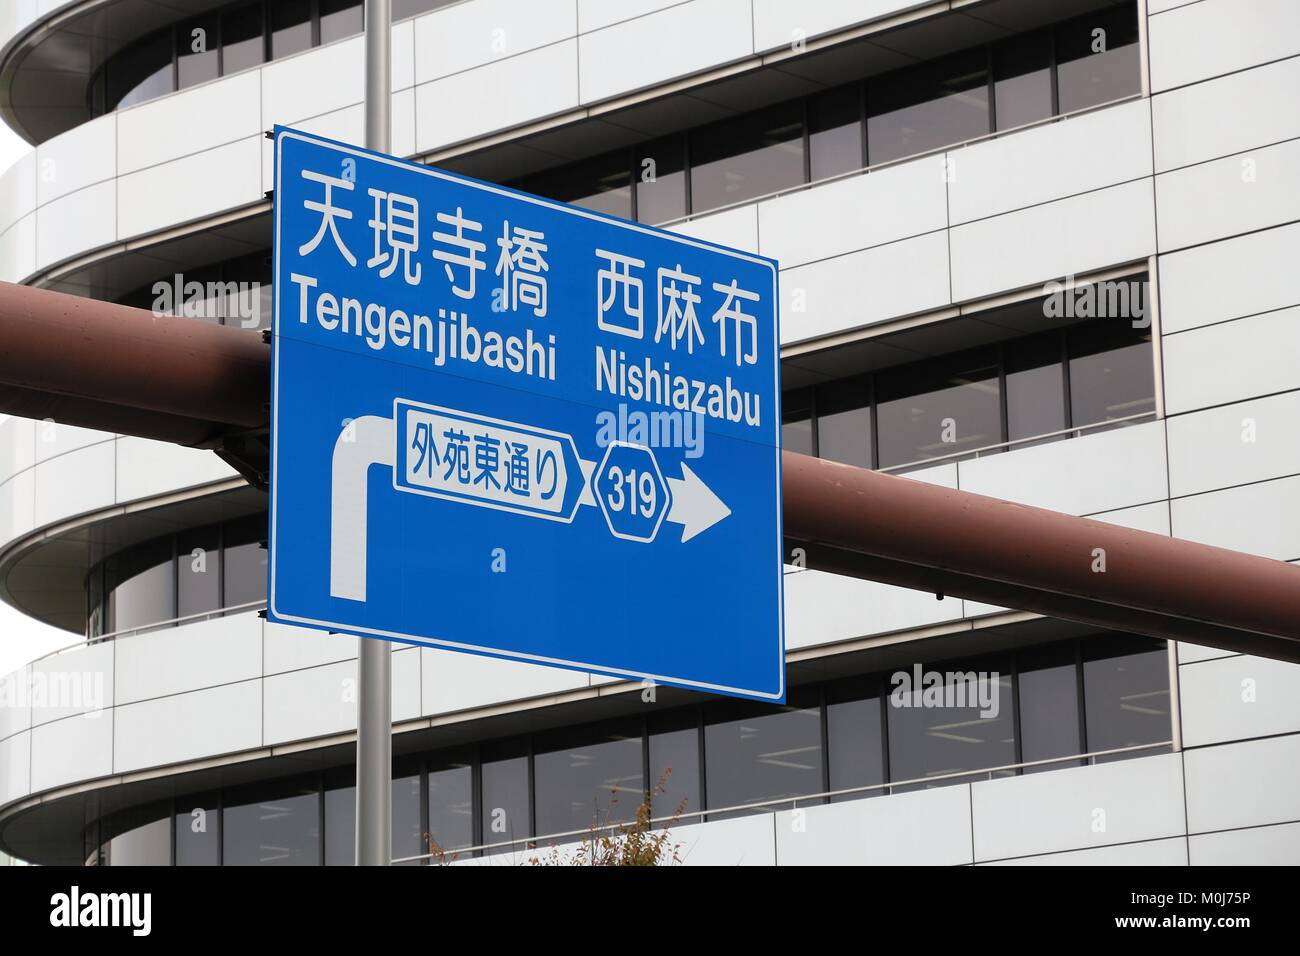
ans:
x=374 y=835
x=523 y=429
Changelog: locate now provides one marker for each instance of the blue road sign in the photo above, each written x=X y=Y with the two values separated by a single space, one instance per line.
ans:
x=519 y=428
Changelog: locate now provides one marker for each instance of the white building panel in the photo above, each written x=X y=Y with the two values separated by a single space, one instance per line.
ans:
x=146 y=468
x=1258 y=846
x=296 y=648
x=923 y=828
x=1225 y=280
x=15 y=767
x=1072 y=236
x=176 y=661
x=17 y=506
x=823 y=608
x=1122 y=802
x=310 y=703
x=1237 y=698
x=211 y=115
x=72 y=750
x=467 y=35
x=1229 y=196
x=780 y=23
x=1170 y=852
x=1201 y=40
x=509 y=92
x=18 y=250
x=1228 y=115
x=740 y=841
x=1262 y=352
x=16 y=716
x=736 y=228
x=855 y=213
x=75 y=682
x=18 y=190
x=79 y=158
x=1050 y=162
x=594 y=14
x=453 y=682
x=74 y=484
x=1223 y=518
x=1246 y=784
x=80 y=221
x=1234 y=445
x=162 y=196
x=17 y=446
x=1105 y=471
x=684 y=39
x=205 y=723
x=864 y=288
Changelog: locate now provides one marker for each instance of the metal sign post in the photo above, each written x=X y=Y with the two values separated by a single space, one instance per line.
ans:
x=374 y=658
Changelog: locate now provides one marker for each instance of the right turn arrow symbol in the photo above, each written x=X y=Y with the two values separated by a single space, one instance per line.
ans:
x=695 y=507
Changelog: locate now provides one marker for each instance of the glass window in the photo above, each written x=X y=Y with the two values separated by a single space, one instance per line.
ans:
x=142 y=74
x=341 y=816
x=1097 y=58
x=142 y=838
x=602 y=183
x=856 y=753
x=938 y=408
x=1048 y=695
x=245 y=561
x=402 y=9
x=1111 y=372
x=275 y=825
x=451 y=803
x=198 y=572
x=197 y=51
x=844 y=421
x=660 y=170
x=1035 y=376
x=748 y=156
x=141 y=584
x=927 y=106
x=1022 y=79
x=340 y=18
x=835 y=132
x=197 y=832
x=960 y=717
x=1125 y=691
x=408 y=829
x=290 y=27
x=755 y=753
x=675 y=765
x=504 y=777
x=242 y=42
x=796 y=421
x=587 y=776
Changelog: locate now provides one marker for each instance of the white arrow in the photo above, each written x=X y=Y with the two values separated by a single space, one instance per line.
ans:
x=695 y=507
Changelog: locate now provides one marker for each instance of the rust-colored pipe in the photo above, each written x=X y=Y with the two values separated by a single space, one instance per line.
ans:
x=122 y=369
x=55 y=343
x=899 y=531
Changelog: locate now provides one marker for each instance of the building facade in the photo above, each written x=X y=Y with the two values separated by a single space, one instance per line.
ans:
x=1041 y=250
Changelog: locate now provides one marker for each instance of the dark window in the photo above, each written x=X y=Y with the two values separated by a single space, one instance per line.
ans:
x=938 y=408
x=198 y=572
x=146 y=72
x=756 y=753
x=745 y=157
x=927 y=106
x=1111 y=373
x=854 y=741
x=451 y=804
x=1048 y=695
x=340 y=18
x=408 y=831
x=844 y=421
x=274 y=825
x=602 y=183
x=140 y=586
x=505 y=793
x=796 y=421
x=1097 y=58
x=290 y=27
x=198 y=832
x=660 y=170
x=1022 y=79
x=961 y=717
x=1035 y=387
x=197 y=51
x=402 y=9
x=587 y=776
x=835 y=132
x=242 y=40
x=1125 y=691
x=141 y=837
x=675 y=765
x=341 y=819
x=245 y=561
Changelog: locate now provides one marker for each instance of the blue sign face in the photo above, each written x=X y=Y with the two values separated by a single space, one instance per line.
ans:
x=513 y=427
